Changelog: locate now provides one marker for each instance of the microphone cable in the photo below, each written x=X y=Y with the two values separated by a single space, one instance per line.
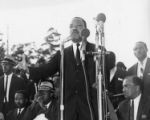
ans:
x=87 y=90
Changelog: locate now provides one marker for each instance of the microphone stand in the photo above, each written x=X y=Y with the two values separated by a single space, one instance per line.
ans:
x=105 y=107
x=62 y=80
x=100 y=75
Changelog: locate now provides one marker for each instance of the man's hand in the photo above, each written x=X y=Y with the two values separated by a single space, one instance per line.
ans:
x=39 y=98
x=94 y=85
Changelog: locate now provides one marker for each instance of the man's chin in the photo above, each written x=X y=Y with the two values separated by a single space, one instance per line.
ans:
x=76 y=40
x=126 y=96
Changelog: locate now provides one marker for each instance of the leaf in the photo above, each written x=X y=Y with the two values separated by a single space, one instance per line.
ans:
x=50 y=29
x=56 y=33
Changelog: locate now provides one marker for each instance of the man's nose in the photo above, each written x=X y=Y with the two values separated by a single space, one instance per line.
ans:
x=75 y=31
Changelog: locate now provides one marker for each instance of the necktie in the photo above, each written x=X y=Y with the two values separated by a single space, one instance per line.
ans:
x=5 y=89
x=19 y=113
x=141 y=72
x=132 y=110
x=78 y=60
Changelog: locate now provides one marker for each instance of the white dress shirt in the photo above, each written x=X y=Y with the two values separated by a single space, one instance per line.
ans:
x=141 y=65
x=48 y=104
x=136 y=105
x=8 y=85
x=75 y=48
x=19 y=110
x=82 y=49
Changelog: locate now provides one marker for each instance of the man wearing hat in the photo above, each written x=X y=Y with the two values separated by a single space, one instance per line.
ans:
x=9 y=84
x=45 y=106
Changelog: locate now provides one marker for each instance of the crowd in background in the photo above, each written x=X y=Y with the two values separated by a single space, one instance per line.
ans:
x=32 y=94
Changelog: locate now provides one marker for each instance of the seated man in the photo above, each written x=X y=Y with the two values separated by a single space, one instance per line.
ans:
x=136 y=106
x=21 y=101
x=44 y=104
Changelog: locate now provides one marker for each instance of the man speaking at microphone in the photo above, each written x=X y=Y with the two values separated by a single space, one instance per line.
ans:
x=80 y=97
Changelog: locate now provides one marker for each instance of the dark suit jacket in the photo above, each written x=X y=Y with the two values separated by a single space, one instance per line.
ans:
x=143 y=109
x=146 y=76
x=35 y=109
x=115 y=86
x=16 y=84
x=12 y=115
x=74 y=79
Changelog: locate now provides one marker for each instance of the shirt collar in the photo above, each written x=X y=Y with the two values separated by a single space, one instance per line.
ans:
x=75 y=45
x=144 y=62
x=21 y=109
x=48 y=104
x=137 y=98
x=9 y=74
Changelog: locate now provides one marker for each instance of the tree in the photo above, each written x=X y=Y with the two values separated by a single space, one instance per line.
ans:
x=45 y=50
x=2 y=51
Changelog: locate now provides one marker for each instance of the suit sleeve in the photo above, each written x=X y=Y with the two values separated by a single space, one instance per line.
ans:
x=47 y=69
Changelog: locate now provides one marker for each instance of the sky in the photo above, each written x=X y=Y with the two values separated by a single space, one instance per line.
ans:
x=127 y=21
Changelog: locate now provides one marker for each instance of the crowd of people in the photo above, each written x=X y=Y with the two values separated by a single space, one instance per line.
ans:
x=33 y=93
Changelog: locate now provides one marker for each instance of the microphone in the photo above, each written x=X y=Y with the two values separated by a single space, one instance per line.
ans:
x=67 y=39
x=96 y=53
x=101 y=18
x=85 y=33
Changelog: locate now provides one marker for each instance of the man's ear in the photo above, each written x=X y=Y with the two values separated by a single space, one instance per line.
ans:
x=26 y=100
x=138 y=88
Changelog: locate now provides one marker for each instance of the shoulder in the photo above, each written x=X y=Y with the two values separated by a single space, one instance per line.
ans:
x=148 y=60
x=1 y=77
x=145 y=100
x=11 y=112
x=132 y=69
x=90 y=45
x=14 y=76
x=133 y=66
x=123 y=104
x=68 y=49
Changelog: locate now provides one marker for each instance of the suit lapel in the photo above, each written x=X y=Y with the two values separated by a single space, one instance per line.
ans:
x=11 y=85
x=136 y=68
x=70 y=55
x=2 y=88
x=125 y=110
x=22 y=113
x=15 y=114
x=147 y=67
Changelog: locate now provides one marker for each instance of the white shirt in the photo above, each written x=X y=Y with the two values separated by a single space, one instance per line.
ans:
x=75 y=48
x=20 y=110
x=141 y=65
x=136 y=105
x=82 y=48
x=48 y=104
x=112 y=72
x=8 y=85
